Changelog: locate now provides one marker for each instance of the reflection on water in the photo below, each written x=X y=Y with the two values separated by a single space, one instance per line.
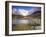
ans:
x=26 y=21
x=22 y=21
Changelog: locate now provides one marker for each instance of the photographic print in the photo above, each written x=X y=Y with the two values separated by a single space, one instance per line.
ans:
x=24 y=18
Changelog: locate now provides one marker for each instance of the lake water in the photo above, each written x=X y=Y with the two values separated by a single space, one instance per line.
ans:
x=26 y=21
x=21 y=21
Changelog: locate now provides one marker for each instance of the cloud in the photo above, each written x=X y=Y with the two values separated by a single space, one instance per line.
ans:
x=23 y=12
x=14 y=11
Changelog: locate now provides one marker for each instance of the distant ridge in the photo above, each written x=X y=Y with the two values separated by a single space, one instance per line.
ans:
x=36 y=14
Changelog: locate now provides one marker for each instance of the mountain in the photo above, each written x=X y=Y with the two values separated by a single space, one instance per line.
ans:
x=36 y=14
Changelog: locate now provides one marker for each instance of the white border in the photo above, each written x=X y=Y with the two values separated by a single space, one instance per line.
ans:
x=28 y=31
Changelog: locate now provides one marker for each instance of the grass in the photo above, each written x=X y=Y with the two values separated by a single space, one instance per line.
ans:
x=22 y=27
